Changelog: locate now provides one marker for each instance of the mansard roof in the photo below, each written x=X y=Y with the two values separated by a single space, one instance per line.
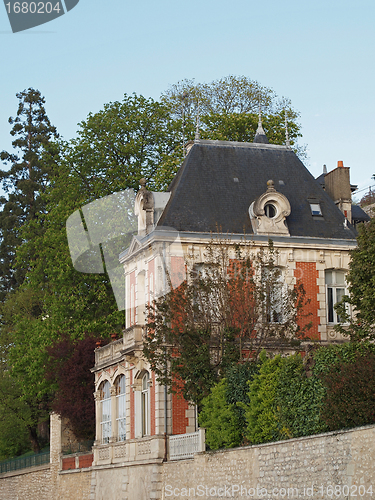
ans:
x=218 y=181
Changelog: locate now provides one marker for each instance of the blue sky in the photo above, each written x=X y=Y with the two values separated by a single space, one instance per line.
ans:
x=320 y=54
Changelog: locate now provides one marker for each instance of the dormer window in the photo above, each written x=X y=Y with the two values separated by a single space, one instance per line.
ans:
x=315 y=209
x=270 y=210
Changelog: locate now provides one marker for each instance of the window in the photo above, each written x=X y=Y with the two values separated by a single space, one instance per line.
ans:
x=335 y=284
x=121 y=407
x=106 y=412
x=274 y=294
x=270 y=210
x=145 y=404
x=315 y=208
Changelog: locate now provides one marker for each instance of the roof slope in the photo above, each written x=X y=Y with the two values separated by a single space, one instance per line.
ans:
x=219 y=180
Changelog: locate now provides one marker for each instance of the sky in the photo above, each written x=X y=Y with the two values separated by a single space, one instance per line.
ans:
x=318 y=53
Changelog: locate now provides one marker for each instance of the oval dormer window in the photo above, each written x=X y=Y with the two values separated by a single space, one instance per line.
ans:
x=270 y=210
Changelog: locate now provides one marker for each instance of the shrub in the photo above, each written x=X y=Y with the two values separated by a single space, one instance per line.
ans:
x=299 y=400
x=350 y=396
x=220 y=419
x=238 y=378
x=261 y=413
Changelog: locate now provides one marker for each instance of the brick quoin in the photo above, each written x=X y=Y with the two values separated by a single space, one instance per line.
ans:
x=308 y=274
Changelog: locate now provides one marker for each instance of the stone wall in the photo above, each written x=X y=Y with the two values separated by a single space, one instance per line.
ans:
x=28 y=484
x=298 y=468
x=306 y=468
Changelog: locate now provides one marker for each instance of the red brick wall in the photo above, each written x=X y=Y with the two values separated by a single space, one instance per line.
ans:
x=177 y=271
x=308 y=274
x=68 y=463
x=86 y=461
x=179 y=420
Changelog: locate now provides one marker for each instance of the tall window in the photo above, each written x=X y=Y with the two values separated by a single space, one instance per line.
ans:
x=121 y=407
x=335 y=283
x=106 y=412
x=273 y=289
x=145 y=403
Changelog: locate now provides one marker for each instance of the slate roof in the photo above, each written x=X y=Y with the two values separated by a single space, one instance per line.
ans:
x=218 y=181
x=359 y=215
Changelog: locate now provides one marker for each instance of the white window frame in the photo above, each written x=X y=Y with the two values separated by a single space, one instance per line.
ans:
x=334 y=293
x=145 y=404
x=275 y=315
x=106 y=414
x=121 y=407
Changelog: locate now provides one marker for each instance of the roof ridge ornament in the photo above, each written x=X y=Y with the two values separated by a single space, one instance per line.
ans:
x=287 y=142
x=260 y=135
x=197 y=134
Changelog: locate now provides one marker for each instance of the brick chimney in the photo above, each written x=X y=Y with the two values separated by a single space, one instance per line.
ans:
x=337 y=185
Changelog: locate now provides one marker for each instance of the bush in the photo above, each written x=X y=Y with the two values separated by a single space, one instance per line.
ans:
x=238 y=378
x=220 y=419
x=261 y=413
x=350 y=396
x=299 y=400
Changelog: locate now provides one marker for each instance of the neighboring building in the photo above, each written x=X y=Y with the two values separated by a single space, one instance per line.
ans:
x=252 y=190
x=337 y=184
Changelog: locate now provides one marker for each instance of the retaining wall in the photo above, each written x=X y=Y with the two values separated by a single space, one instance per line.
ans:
x=337 y=465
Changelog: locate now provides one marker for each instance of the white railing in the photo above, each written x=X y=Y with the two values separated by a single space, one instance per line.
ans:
x=186 y=445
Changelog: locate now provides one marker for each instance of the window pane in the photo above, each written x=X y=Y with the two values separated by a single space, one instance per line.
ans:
x=330 y=305
x=340 y=278
x=328 y=277
x=340 y=292
x=315 y=209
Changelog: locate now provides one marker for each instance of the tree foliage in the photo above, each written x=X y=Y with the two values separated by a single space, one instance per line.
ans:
x=226 y=311
x=69 y=369
x=30 y=169
x=299 y=400
x=357 y=310
x=220 y=419
x=350 y=393
x=228 y=108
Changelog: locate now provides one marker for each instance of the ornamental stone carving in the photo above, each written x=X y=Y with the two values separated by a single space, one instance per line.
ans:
x=269 y=211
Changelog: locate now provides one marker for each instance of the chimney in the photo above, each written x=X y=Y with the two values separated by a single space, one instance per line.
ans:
x=337 y=185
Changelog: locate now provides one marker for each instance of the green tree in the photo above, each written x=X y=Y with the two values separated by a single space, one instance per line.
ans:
x=124 y=142
x=227 y=109
x=261 y=413
x=30 y=169
x=220 y=419
x=356 y=311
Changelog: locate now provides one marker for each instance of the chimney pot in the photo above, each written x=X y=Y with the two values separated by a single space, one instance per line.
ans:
x=340 y=163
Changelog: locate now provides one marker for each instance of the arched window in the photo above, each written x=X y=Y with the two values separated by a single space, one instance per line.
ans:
x=121 y=407
x=145 y=404
x=106 y=412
